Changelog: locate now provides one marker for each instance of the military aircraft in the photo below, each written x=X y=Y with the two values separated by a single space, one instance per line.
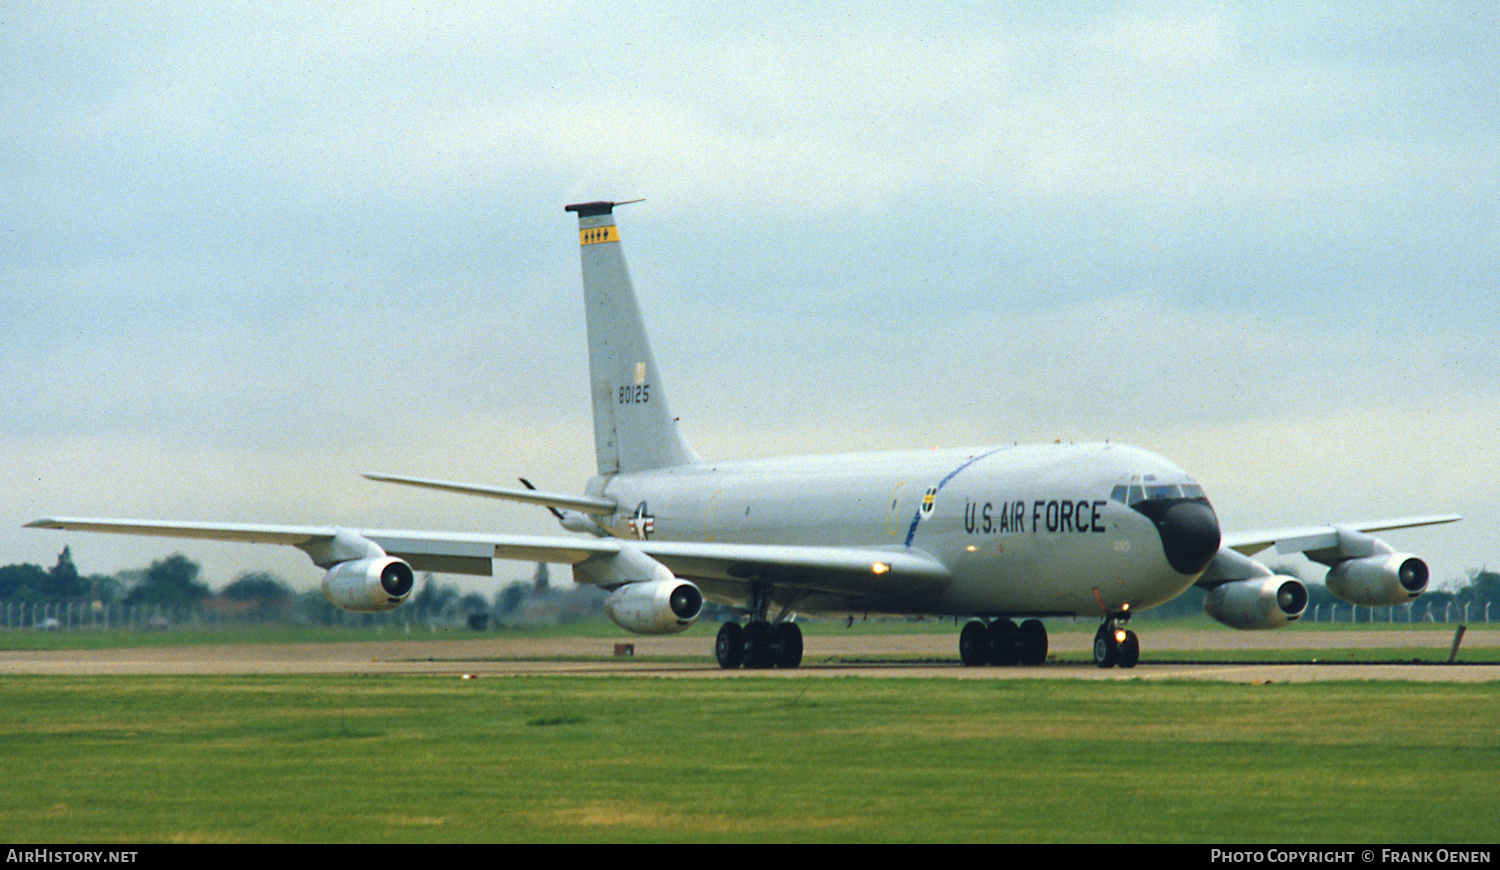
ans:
x=992 y=534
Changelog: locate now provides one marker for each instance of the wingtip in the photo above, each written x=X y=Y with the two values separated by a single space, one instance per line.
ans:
x=382 y=477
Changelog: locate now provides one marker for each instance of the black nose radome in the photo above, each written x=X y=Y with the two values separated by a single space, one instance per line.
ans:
x=1189 y=536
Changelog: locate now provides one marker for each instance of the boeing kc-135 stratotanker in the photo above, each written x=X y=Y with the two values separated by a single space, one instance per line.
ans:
x=993 y=534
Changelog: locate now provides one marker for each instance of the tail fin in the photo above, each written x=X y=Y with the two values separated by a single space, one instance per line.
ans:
x=634 y=428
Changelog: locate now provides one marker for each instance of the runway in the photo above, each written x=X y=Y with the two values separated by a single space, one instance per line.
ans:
x=932 y=656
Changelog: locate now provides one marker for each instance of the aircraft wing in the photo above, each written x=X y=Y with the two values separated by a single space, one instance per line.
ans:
x=1300 y=539
x=444 y=552
x=861 y=571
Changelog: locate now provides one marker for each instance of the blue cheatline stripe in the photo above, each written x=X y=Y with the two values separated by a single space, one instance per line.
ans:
x=917 y=518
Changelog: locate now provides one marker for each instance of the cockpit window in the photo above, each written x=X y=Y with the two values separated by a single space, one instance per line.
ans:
x=1136 y=493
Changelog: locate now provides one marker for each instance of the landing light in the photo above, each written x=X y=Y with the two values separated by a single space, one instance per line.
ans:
x=1119 y=635
x=880 y=567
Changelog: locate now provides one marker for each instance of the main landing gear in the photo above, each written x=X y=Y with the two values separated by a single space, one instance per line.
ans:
x=1002 y=642
x=759 y=644
x=1115 y=645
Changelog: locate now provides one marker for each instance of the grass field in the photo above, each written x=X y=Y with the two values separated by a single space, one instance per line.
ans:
x=415 y=759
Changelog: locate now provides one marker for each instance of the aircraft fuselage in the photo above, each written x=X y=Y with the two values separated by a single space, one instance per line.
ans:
x=1023 y=530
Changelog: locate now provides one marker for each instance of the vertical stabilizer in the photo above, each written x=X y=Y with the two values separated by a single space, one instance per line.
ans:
x=633 y=426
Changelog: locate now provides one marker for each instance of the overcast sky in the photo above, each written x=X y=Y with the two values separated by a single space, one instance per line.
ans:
x=248 y=251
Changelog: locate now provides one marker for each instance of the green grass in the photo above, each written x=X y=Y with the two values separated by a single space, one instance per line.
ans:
x=91 y=638
x=1467 y=654
x=411 y=759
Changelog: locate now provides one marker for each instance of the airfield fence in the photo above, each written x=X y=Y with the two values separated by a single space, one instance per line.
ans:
x=98 y=616
x=1448 y=611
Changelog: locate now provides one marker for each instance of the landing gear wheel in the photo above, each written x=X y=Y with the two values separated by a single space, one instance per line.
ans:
x=729 y=646
x=1031 y=642
x=786 y=645
x=756 y=645
x=1130 y=650
x=1106 y=648
x=1002 y=633
x=974 y=644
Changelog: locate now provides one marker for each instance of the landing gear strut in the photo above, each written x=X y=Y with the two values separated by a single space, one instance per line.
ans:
x=1115 y=645
x=1002 y=642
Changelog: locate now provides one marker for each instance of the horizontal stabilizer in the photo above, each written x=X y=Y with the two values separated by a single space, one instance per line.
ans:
x=581 y=503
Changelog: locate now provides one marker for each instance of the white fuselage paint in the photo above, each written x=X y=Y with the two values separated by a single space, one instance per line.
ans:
x=1027 y=529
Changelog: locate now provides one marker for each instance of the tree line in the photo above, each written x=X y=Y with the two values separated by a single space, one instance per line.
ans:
x=176 y=582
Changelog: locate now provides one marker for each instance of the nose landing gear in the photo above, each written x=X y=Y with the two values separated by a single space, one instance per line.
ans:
x=1115 y=645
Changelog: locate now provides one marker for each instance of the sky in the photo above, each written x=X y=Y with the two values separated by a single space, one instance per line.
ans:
x=249 y=251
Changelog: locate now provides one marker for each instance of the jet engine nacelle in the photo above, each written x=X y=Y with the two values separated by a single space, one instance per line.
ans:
x=369 y=585
x=655 y=606
x=1381 y=579
x=1259 y=602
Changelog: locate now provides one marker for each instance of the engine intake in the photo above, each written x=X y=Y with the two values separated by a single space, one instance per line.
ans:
x=371 y=585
